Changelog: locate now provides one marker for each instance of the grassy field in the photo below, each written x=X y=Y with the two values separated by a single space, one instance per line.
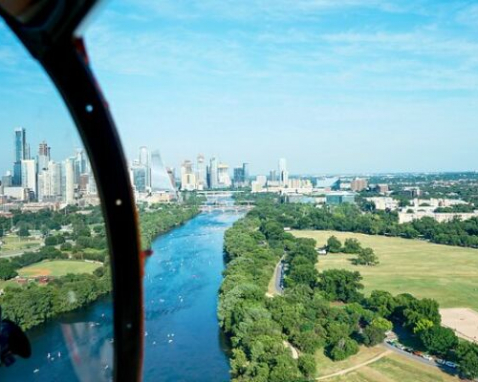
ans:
x=16 y=243
x=325 y=366
x=57 y=268
x=395 y=368
x=445 y=273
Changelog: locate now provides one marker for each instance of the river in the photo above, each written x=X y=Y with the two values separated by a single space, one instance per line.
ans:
x=182 y=338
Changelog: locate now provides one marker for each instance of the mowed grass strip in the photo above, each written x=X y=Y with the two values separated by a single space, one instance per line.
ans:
x=445 y=273
x=325 y=366
x=16 y=243
x=396 y=368
x=57 y=268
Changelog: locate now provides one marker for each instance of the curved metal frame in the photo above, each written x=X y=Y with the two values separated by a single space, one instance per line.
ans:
x=64 y=58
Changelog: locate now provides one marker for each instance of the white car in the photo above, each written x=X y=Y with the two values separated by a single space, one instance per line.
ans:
x=427 y=357
x=451 y=364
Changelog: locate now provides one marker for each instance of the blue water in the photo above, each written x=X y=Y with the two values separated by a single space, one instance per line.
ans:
x=182 y=338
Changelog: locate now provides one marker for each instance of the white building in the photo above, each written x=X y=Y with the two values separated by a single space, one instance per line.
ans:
x=29 y=176
x=283 y=173
x=69 y=195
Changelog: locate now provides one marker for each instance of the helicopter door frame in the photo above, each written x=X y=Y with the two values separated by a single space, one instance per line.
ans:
x=64 y=58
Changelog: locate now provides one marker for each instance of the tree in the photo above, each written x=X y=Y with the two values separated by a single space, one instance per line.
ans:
x=422 y=325
x=467 y=355
x=23 y=232
x=343 y=348
x=366 y=257
x=381 y=302
x=307 y=365
x=421 y=309
x=382 y=324
x=7 y=270
x=352 y=246
x=439 y=340
x=334 y=245
x=373 y=335
x=342 y=285
x=51 y=240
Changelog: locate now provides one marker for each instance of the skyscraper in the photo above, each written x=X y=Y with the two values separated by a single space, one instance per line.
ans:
x=201 y=173
x=223 y=178
x=238 y=176
x=43 y=156
x=29 y=175
x=245 y=169
x=138 y=172
x=160 y=180
x=188 y=177
x=145 y=160
x=69 y=194
x=20 y=154
x=283 y=173
x=213 y=179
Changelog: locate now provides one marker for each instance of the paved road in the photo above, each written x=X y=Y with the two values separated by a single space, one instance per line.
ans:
x=420 y=359
x=279 y=281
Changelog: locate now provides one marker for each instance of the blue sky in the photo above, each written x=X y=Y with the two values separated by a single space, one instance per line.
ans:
x=333 y=86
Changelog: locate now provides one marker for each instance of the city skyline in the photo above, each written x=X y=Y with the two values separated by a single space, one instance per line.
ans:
x=254 y=83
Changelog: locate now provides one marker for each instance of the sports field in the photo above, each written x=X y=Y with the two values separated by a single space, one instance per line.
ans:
x=13 y=243
x=445 y=273
x=57 y=268
x=395 y=368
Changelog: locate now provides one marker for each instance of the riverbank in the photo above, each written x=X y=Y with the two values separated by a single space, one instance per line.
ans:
x=182 y=338
x=76 y=290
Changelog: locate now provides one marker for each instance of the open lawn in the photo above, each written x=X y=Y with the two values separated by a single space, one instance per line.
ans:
x=15 y=243
x=57 y=268
x=325 y=366
x=445 y=273
x=395 y=368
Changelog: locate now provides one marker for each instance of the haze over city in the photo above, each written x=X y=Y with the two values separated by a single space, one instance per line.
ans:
x=360 y=86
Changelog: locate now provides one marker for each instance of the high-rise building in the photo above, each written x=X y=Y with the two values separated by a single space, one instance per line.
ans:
x=188 y=177
x=172 y=176
x=245 y=169
x=138 y=172
x=201 y=176
x=283 y=173
x=160 y=180
x=213 y=176
x=145 y=160
x=43 y=156
x=29 y=175
x=20 y=154
x=238 y=176
x=7 y=179
x=273 y=175
x=69 y=183
x=223 y=178
x=241 y=175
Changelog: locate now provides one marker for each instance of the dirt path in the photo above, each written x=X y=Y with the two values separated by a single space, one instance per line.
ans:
x=295 y=352
x=345 y=371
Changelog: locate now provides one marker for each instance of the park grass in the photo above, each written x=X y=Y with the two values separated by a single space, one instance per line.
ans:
x=57 y=268
x=395 y=368
x=445 y=273
x=326 y=366
x=16 y=243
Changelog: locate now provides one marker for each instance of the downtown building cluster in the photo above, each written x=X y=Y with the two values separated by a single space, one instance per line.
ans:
x=212 y=176
x=38 y=178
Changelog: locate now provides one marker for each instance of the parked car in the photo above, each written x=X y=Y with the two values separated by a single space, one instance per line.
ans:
x=451 y=364
x=428 y=357
x=440 y=361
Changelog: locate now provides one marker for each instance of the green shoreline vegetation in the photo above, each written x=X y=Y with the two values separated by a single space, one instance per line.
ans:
x=32 y=304
x=307 y=315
